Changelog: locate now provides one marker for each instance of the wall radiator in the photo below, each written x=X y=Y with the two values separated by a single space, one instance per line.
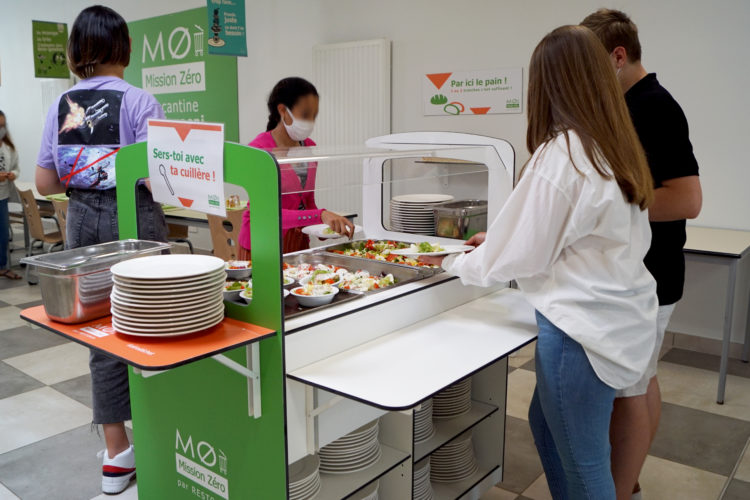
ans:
x=354 y=82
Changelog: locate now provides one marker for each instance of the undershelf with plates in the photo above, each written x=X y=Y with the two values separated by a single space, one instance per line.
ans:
x=401 y=457
x=335 y=486
x=446 y=430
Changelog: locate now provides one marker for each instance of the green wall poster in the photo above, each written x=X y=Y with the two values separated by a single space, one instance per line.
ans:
x=50 y=42
x=226 y=24
x=170 y=60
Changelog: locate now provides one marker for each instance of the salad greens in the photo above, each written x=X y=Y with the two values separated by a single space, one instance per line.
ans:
x=426 y=247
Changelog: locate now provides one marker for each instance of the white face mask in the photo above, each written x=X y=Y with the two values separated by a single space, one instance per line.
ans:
x=299 y=130
x=2 y=133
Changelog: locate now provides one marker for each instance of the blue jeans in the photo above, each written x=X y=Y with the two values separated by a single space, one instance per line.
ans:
x=569 y=418
x=4 y=233
x=92 y=219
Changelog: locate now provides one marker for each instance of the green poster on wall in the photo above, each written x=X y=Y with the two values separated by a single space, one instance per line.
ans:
x=50 y=42
x=226 y=22
x=170 y=60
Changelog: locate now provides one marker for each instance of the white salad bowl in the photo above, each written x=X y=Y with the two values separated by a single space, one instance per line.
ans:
x=239 y=274
x=315 y=300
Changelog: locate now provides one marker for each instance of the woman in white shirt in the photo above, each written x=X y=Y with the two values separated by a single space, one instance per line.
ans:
x=573 y=234
x=8 y=173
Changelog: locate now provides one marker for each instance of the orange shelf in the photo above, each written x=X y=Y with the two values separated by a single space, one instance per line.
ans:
x=157 y=353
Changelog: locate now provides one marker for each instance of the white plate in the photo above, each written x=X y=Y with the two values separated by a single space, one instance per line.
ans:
x=422 y=198
x=349 y=442
x=176 y=288
x=419 y=438
x=158 y=322
x=447 y=250
x=318 y=230
x=415 y=223
x=368 y=492
x=216 y=289
x=177 y=302
x=148 y=289
x=167 y=282
x=354 y=467
x=171 y=333
x=161 y=267
x=149 y=326
x=166 y=312
x=304 y=469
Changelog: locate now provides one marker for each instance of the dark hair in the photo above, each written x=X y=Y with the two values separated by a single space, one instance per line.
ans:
x=287 y=92
x=615 y=29
x=99 y=36
x=7 y=140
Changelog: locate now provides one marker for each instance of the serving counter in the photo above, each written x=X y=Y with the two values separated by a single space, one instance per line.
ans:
x=320 y=375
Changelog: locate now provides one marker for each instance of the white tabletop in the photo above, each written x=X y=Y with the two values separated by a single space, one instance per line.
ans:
x=407 y=366
x=725 y=242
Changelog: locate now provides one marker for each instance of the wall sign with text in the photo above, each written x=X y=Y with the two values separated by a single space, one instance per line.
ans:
x=226 y=26
x=170 y=60
x=50 y=41
x=473 y=92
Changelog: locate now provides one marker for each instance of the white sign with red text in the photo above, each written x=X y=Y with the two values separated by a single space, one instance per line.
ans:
x=186 y=164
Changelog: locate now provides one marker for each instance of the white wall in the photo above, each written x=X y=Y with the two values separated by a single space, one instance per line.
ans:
x=694 y=46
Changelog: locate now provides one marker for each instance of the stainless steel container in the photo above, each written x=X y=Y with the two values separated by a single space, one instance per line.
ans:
x=460 y=219
x=402 y=274
x=331 y=250
x=76 y=283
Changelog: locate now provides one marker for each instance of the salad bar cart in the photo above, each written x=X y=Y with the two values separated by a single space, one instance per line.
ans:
x=349 y=370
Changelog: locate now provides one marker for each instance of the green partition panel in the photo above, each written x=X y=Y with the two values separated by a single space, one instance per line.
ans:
x=192 y=432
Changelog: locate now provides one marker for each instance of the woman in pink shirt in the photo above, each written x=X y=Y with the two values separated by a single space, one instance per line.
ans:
x=292 y=108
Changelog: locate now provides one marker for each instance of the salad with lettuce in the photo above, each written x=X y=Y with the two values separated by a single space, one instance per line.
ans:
x=380 y=250
x=425 y=247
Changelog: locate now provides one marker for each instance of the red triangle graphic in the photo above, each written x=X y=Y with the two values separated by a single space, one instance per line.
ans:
x=183 y=129
x=438 y=79
x=185 y=202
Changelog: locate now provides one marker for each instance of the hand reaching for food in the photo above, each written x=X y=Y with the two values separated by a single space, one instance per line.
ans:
x=338 y=224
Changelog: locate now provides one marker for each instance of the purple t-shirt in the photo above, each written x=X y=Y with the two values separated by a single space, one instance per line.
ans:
x=88 y=124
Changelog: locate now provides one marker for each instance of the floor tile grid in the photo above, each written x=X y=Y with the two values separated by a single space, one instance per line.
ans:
x=672 y=470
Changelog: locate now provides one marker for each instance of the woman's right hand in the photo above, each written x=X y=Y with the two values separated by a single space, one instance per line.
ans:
x=339 y=224
x=477 y=239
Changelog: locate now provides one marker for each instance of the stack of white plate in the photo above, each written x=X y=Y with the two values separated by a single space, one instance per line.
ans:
x=304 y=478
x=453 y=401
x=412 y=213
x=422 y=489
x=354 y=452
x=423 y=427
x=454 y=461
x=369 y=492
x=166 y=295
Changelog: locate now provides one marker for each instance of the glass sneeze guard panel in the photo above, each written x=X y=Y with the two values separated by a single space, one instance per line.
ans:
x=360 y=183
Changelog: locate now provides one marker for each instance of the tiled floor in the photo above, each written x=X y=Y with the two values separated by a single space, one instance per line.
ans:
x=45 y=415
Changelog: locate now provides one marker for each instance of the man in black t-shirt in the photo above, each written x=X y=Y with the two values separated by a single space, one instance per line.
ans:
x=663 y=130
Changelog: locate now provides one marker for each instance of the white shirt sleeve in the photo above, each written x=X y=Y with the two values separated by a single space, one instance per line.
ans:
x=525 y=238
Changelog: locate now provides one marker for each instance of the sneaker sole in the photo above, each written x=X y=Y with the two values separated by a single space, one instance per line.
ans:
x=127 y=485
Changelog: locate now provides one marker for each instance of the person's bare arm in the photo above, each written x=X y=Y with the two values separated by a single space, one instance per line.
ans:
x=677 y=199
x=47 y=181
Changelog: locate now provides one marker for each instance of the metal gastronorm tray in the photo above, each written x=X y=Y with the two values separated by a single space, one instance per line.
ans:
x=426 y=272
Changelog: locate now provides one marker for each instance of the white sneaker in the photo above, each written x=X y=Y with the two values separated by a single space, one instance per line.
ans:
x=117 y=472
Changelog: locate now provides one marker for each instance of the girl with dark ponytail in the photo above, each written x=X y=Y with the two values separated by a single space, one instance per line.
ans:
x=292 y=109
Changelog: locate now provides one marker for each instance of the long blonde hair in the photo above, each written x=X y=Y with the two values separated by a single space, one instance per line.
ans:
x=572 y=86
